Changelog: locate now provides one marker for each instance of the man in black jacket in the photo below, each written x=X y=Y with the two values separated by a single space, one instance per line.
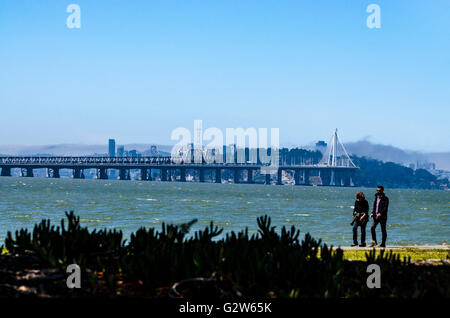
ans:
x=379 y=215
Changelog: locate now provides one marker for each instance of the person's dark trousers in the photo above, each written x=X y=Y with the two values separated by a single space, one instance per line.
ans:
x=363 y=231
x=382 y=222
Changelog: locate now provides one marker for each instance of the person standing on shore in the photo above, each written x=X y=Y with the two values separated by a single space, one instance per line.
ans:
x=360 y=218
x=379 y=215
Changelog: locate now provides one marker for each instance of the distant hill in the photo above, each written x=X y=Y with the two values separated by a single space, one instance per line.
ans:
x=388 y=153
x=392 y=175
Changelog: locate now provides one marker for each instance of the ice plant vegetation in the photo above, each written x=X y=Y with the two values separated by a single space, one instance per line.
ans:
x=171 y=263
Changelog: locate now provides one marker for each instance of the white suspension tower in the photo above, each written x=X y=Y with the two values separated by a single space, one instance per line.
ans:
x=336 y=156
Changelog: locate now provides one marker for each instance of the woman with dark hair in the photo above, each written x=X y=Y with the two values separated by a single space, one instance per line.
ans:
x=360 y=218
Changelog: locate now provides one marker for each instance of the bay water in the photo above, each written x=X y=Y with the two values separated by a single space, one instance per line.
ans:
x=415 y=216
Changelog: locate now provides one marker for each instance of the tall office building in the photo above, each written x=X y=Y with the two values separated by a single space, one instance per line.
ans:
x=120 y=151
x=321 y=143
x=132 y=153
x=112 y=147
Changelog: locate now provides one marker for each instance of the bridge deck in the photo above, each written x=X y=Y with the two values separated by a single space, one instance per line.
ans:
x=137 y=163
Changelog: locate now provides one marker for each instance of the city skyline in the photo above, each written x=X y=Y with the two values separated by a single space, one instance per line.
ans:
x=120 y=143
x=136 y=71
x=7 y=147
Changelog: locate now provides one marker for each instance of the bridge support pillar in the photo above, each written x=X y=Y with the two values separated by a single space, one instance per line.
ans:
x=236 y=175
x=337 y=178
x=183 y=174
x=346 y=179
x=144 y=174
x=201 y=174
x=306 y=177
x=26 y=172
x=325 y=176
x=102 y=173
x=297 y=176
x=6 y=172
x=163 y=174
x=341 y=178
x=250 y=176
x=333 y=178
x=53 y=172
x=78 y=173
x=149 y=175
x=124 y=174
x=279 y=176
x=218 y=175
x=267 y=181
x=352 y=177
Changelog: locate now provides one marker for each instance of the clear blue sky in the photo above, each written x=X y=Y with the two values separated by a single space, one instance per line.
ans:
x=138 y=69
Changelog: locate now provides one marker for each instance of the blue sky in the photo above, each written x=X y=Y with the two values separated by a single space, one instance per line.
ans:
x=138 y=69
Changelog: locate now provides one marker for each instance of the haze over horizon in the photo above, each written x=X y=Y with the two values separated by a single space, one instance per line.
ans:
x=169 y=142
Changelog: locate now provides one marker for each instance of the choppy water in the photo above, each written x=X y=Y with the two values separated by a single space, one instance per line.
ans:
x=415 y=216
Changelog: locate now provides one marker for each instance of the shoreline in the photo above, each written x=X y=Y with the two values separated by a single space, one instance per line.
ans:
x=442 y=246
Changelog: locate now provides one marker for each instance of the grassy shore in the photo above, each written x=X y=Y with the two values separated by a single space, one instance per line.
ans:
x=416 y=254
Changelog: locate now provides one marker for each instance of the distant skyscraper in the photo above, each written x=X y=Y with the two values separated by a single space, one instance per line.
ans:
x=321 y=146
x=132 y=153
x=321 y=143
x=120 y=151
x=112 y=147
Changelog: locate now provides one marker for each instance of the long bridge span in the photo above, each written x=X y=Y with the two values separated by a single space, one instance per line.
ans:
x=335 y=169
x=170 y=171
